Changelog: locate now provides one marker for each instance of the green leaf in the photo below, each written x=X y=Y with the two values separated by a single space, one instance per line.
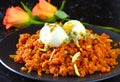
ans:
x=61 y=14
x=26 y=9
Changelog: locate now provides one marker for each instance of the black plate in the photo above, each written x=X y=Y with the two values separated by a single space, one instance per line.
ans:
x=7 y=46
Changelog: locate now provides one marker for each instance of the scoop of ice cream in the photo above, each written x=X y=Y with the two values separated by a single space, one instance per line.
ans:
x=53 y=35
x=75 y=29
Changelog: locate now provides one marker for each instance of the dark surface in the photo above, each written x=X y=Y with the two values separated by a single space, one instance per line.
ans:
x=98 y=12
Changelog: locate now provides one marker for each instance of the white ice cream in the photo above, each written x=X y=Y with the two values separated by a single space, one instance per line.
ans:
x=75 y=30
x=74 y=27
x=53 y=35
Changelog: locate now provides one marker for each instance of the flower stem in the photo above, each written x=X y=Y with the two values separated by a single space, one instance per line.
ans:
x=62 y=5
x=26 y=9
x=32 y=21
x=104 y=27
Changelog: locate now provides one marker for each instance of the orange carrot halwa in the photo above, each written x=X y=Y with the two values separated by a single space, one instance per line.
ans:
x=97 y=55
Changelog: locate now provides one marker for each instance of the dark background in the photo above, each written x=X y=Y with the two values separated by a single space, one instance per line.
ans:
x=97 y=12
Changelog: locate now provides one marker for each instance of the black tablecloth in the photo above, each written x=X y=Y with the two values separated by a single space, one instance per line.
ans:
x=98 y=12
